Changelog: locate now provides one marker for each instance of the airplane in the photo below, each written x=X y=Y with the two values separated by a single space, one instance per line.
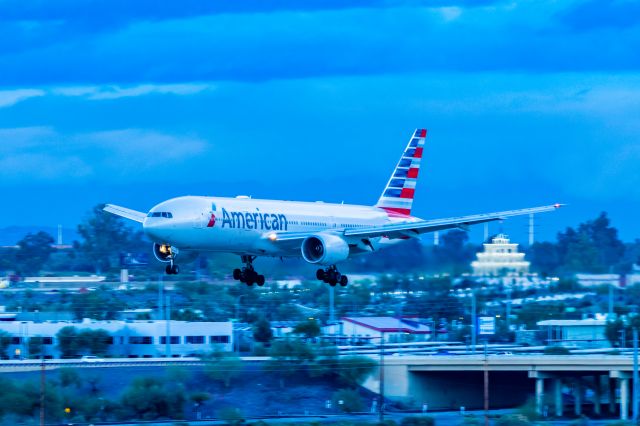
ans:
x=323 y=234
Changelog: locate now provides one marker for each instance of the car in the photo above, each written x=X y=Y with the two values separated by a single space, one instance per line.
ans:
x=91 y=358
x=507 y=353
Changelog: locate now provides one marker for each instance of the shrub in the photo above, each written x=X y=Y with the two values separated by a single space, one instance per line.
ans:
x=232 y=416
x=472 y=421
x=556 y=350
x=512 y=420
x=418 y=421
x=348 y=400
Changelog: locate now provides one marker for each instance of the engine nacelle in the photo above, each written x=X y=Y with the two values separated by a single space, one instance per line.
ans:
x=324 y=249
x=164 y=252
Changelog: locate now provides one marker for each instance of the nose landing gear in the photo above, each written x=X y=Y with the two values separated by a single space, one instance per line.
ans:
x=172 y=269
x=247 y=274
x=332 y=276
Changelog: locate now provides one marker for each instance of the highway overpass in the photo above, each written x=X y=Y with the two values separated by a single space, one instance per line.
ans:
x=449 y=382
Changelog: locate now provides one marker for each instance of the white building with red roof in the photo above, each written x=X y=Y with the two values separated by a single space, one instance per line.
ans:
x=392 y=329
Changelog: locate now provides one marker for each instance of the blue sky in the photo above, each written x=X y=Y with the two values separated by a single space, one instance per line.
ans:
x=526 y=103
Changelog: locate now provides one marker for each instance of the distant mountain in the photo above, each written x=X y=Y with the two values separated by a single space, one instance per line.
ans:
x=10 y=235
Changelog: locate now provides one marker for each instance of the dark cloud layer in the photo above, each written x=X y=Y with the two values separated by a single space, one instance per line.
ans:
x=602 y=14
x=199 y=45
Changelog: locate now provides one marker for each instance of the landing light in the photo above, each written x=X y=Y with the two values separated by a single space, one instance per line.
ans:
x=557 y=205
x=273 y=237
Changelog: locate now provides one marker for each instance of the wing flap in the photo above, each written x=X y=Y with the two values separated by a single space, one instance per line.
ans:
x=125 y=212
x=400 y=230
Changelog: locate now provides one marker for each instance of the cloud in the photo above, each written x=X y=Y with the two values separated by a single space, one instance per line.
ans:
x=44 y=154
x=12 y=97
x=116 y=92
x=290 y=43
x=597 y=14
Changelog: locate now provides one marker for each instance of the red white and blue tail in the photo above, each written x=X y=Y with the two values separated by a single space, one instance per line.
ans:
x=397 y=197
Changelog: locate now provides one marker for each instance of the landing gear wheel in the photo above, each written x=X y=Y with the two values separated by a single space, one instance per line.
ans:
x=247 y=274
x=175 y=269
x=332 y=276
x=167 y=269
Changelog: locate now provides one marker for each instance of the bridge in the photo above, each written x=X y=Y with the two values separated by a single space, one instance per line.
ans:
x=449 y=382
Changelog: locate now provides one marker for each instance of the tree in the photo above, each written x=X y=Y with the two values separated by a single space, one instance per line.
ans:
x=347 y=400
x=68 y=377
x=33 y=252
x=5 y=341
x=99 y=305
x=353 y=370
x=68 y=342
x=310 y=328
x=150 y=398
x=544 y=257
x=223 y=368
x=104 y=237
x=593 y=247
x=36 y=346
x=262 y=331
x=288 y=357
x=95 y=341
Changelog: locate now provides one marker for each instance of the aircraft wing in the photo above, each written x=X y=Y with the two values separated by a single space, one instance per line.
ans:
x=412 y=229
x=125 y=212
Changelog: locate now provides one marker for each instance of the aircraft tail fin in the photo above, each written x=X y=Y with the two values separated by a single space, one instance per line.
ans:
x=397 y=197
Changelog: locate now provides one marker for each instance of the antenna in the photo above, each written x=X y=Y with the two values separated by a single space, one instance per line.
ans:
x=59 y=235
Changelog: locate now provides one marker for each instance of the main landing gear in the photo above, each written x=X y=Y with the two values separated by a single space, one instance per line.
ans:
x=172 y=269
x=332 y=276
x=247 y=274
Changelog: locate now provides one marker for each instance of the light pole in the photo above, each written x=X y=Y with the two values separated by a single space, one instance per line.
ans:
x=381 y=378
x=235 y=332
x=635 y=403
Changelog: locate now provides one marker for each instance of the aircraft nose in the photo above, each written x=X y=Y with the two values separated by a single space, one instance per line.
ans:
x=155 y=228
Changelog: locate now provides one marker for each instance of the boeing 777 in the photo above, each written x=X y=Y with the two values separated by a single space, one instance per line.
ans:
x=323 y=234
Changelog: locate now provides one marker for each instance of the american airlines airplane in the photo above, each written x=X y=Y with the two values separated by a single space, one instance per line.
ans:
x=323 y=234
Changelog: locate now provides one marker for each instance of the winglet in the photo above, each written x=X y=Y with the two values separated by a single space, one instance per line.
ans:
x=125 y=212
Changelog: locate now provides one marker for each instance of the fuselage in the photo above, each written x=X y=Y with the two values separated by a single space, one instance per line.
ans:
x=243 y=225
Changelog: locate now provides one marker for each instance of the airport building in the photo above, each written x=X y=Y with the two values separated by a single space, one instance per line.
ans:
x=372 y=329
x=128 y=339
x=585 y=333
x=500 y=258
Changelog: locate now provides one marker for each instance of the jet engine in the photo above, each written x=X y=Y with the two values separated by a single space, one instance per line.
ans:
x=324 y=249
x=164 y=252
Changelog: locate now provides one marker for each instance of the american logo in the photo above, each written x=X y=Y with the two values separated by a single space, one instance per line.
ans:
x=249 y=220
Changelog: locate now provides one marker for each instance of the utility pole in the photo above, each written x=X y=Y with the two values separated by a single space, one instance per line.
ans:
x=331 y=307
x=160 y=297
x=610 y=316
x=486 y=232
x=636 y=386
x=474 y=322
x=168 y=327
x=531 y=231
x=43 y=383
x=436 y=238
x=486 y=386
x=381 y=378
x=508 y=309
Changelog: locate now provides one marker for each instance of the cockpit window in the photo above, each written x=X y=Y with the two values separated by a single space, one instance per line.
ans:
x=167 y=215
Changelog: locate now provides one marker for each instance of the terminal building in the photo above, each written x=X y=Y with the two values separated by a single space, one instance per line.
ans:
x=127 y=339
